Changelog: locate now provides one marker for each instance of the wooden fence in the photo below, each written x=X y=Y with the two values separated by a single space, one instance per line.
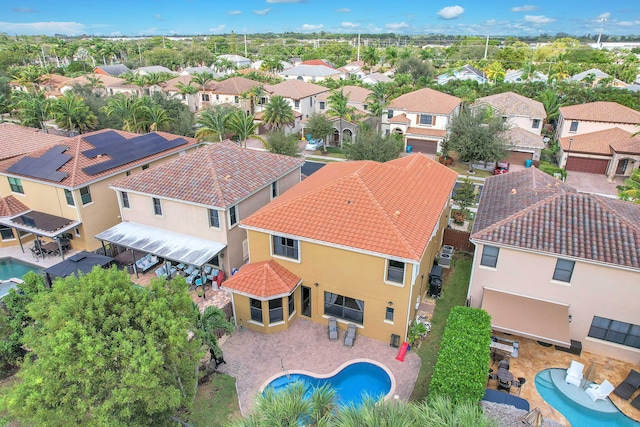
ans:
x=458 y=239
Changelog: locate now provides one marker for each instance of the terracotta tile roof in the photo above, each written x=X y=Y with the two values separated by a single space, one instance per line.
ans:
x=601 y=111
x=602 y=142
x=107 y=81
x=263 y=280
x=426 y=101
x=530 y=209
x=10 y=206
x=218 y=175
x=320 y=62
x=388 y=208
x=355 y=93
x=400 y=118
x=54 y=80
x=73 y=168
x=172 y=85
x=426 y=132
x=295 y=89
x=16 y=140
x=233 y=86
x=519 y=137
x=513 y=104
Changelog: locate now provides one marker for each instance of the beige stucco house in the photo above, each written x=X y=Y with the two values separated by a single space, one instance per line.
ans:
x=558 y=266
x=357 y=99
x=189 y=209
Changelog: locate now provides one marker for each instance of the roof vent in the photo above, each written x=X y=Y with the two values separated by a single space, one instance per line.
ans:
x=514 y=191
x=397 y=213
x=228 y=177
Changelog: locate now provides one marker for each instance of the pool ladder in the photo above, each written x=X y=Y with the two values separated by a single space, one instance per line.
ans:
x=284 y=370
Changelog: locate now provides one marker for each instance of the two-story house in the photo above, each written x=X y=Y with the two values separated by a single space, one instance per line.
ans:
x=230 y=91
x=65 y=185
x=597 y=137
x=188 y=210
x=357 y=99
x=521 y=114
x=354 y=241
x=301 y=96
x=558 y=266
x=422 y=117
x=311 y=71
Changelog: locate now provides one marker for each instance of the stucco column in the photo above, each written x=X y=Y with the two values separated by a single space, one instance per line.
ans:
x=612 y=169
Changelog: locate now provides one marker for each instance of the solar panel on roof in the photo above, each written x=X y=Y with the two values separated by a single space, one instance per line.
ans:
x=44 y=167
x=103 y=143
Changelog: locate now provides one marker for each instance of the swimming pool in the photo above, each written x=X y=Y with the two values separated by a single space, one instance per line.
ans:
x=10 y=268
x=350 y=381
x=576 y=414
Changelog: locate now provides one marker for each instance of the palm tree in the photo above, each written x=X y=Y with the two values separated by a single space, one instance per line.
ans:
x=72 y=114
x=551 y=104
x=244 y=126
x=29 y=77
x=273 y=65
x=214 y=121
x=494 y=71
x=253 y=95
x=207 y=324
x=132 y=111
x=370 y=57
x=391 y=55
x=187 y=91
x=202 y=79
x=278 y=113
x=378 y=102
x=339 y=107
x=33 y=108
x=157 y=119
x=560 y=72
x=630 y=191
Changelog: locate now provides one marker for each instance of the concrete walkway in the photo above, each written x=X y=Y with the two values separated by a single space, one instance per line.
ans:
x=253 y=358
x=593 y=183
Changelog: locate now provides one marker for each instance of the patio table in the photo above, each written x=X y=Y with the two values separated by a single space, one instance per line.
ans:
x=51 y=248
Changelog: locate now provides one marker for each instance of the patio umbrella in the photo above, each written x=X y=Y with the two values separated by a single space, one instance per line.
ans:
x=590 y=375
x=533 y=418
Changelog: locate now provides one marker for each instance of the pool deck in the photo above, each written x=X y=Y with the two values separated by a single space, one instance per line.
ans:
x=252 y=357
x=27 y=256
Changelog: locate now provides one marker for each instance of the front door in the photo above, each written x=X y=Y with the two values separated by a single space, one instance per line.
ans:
x=306 y=301
x=622 y=167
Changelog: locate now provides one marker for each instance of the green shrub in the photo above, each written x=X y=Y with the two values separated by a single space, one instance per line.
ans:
x=552 y=169
x=335 y=150
x=463 y=361
x=548 y=155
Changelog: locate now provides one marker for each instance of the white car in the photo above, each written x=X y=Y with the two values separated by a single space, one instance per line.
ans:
x=314 y=144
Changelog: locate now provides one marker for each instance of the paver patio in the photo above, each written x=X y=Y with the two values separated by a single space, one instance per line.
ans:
x=252 y=357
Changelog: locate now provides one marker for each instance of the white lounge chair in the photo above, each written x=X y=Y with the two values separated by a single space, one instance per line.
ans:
x=574 y=373
x=599 y=391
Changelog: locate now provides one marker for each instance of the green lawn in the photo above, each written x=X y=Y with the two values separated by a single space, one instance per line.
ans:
x=454 y=292
x=216 y=403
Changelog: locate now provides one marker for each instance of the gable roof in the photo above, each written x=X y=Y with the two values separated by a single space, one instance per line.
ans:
x=172 y=85
x=601 y=111
x=426 y=100
x=219 y=175
x=264 y=280
x=114 y=70
x=602 y=142
x=16 y=140
x=295 y=89
x=515 y=76
x=531 y=210
x=521 y=138
x=152 y=69
x=321 y=62
x=598 y=74
x=356 y=94
x=200 y=69
x=233 y=86
x=387 y=208
x=309 y=71
x=10 y=206
x=107 y=81
x=513 y=104
x=378 y=77
x=74 y=147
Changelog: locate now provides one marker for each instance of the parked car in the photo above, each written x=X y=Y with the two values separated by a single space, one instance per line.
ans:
x=314 y=144
x=501 y=167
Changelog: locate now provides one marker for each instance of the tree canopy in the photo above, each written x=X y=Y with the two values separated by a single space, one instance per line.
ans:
x=280 y=143
x=370 y=145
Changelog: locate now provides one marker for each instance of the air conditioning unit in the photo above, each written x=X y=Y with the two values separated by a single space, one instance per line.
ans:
x=444 y=260
x=447 y=249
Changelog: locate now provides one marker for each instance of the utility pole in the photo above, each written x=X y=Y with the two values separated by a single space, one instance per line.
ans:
x=245 y=52
x=358 y=46
x=603 y=20
x=486 y=47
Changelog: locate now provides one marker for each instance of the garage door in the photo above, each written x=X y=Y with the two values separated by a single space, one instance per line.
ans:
x=581 y=164
x=422 y=146
x=518 y=157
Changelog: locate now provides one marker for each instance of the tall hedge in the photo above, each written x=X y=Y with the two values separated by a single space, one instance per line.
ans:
x=463 y=360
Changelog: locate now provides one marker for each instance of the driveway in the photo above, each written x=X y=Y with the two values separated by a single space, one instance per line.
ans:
x=593 y=183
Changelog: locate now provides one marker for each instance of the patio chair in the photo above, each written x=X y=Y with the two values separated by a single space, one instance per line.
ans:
x=162 y=271
x=574 y=373
x=504 y=364
x=599 y=391
x=333 y=329
x=519 y=383
x=350 y=336
x=189 y=270
x=192 y=278
x=629 y=386
x=636 y=402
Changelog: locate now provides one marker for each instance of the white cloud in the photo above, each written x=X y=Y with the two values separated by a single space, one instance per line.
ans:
x=217 y=29
x=234 y=12
x=46 y=28
x=343 y=10
x=158 y=17
x=262 y=12
x=311 y=27
x=147 y=31
x=349 y=25
x=23 y=10
x=396 y=25
x=538 y=19
x=604 y=15
x=525 y=8
x=286 y=1
x=450 y=12
x=628 y=23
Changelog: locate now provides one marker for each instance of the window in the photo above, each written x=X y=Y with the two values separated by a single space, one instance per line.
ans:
x=69 y=196
x=322 y=105
x=274 y=189
x=205 y=97
x=426 y=119
x=157 y=206
x=344 y=307
x=256 y=310
x=389 y=114
x=214 y=219
x=77 y=231
x=535 y=123
x=573 y=127
x=275 y=310
x=292 y=305
x=6 y=233
x=233 y=216
x=564 y=270
x=310 y=102
x=236 y=99
x=615 y=331
x=395 y=271
x=124 y=196
x=296 y=103
x=489 y=256
x=364 y=107
x=262 y=101
x=389 y=314
x=127 y=173
x=16 y=185
x=85 y=195
x=285 y=247
x=145 y=167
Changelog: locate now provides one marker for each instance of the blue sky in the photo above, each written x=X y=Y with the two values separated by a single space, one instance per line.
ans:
x=472 y=17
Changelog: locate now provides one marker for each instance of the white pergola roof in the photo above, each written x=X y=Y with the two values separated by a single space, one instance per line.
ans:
x=165 y=244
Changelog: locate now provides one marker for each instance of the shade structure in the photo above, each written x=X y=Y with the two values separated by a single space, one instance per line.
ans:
x=534 y=318
x=82 y=262
x=533 y=418
x=590 y=375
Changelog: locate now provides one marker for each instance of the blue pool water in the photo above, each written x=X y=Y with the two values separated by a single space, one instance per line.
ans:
x=576 y=414
x=350 y=383
x=10 y=268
